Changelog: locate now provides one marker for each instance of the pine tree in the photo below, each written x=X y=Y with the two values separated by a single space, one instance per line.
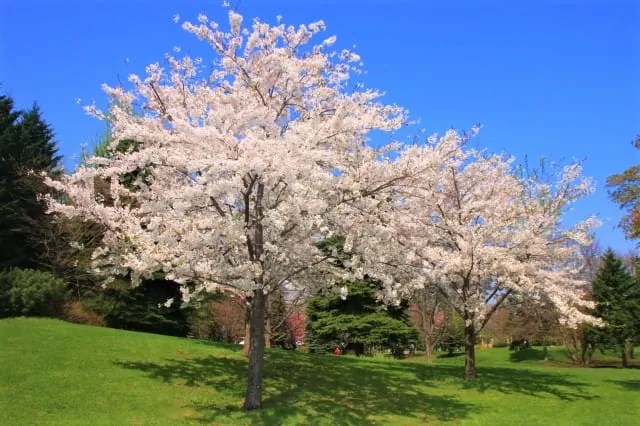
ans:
x=358 y=323
x=9 y=218
x=617 y=296
x=27 y=149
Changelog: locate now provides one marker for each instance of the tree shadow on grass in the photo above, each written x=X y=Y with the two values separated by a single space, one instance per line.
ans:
x=610 y=363
x=528 y=354
x=530 y=382
x=633 y=385
x=512 y=380
x=309 y=389
x=501 y=379
x=450 y=355
x=315 y=389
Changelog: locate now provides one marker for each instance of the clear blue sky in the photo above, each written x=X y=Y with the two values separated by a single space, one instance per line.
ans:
x=558 y=79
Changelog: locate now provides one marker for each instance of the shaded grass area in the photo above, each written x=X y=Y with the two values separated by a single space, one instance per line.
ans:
x=558 y=356
x=58 y=373
x=343 y=390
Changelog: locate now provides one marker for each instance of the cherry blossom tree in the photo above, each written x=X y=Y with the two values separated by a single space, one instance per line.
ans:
x=480 y=232
x=230 y=175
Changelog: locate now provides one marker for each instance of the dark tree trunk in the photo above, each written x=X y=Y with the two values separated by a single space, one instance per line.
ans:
x=470 y=352
x=253 y=398
x=258 y=307
x=625 y=359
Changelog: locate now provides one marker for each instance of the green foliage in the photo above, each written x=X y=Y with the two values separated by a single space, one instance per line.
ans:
x=334 y=246
x=617 y=296
x=101 y=148
x=65 y=374
x=453 y=339
x=30 y=292
x=202 y=324
x=154 y=306
x=27 y=150
x=626 y=192
x=69 y=244
x=359 y=323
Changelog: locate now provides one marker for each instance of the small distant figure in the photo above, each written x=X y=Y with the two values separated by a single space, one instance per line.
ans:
x=337 y=351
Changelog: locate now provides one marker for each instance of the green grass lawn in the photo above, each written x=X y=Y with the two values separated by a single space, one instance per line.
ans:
x=52 y=372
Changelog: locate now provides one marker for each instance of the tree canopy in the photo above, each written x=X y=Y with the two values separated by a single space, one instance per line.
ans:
x=246 y=165
x=479 y=232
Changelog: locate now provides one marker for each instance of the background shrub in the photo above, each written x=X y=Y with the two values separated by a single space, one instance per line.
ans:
x=76 y=312
x=30 y=292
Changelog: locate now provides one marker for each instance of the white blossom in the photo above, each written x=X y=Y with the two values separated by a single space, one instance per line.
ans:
x=478 y=231
x=240 y=170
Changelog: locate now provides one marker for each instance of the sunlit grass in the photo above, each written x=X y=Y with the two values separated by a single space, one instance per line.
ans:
x=58 y=373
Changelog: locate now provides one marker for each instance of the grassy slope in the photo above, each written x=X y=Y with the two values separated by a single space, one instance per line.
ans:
x=57 y=373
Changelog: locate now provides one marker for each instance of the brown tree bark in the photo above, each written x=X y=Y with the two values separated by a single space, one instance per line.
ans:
x=627 y=351
x=628 y=348
x=253 y=397
x=428 y=348
x=267 y=325
x=470 y=352
x=247 y=330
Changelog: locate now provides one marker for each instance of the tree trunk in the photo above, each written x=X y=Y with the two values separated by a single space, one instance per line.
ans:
x=584 y=353
x=253 y=398
x=545 y=351
x=628 y=348
x=267 y=325
x=247 y=330
x=259 y=300
x=470 y=352
x=429 y=348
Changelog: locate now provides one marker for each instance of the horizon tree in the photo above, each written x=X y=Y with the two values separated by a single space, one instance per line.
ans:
x=616 y=293
x=625 y=191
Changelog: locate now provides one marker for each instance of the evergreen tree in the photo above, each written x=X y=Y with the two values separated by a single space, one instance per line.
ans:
x=9 y=211
x=27 y=149
x=154 y=306
x=358 y=322
x=617 y=296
